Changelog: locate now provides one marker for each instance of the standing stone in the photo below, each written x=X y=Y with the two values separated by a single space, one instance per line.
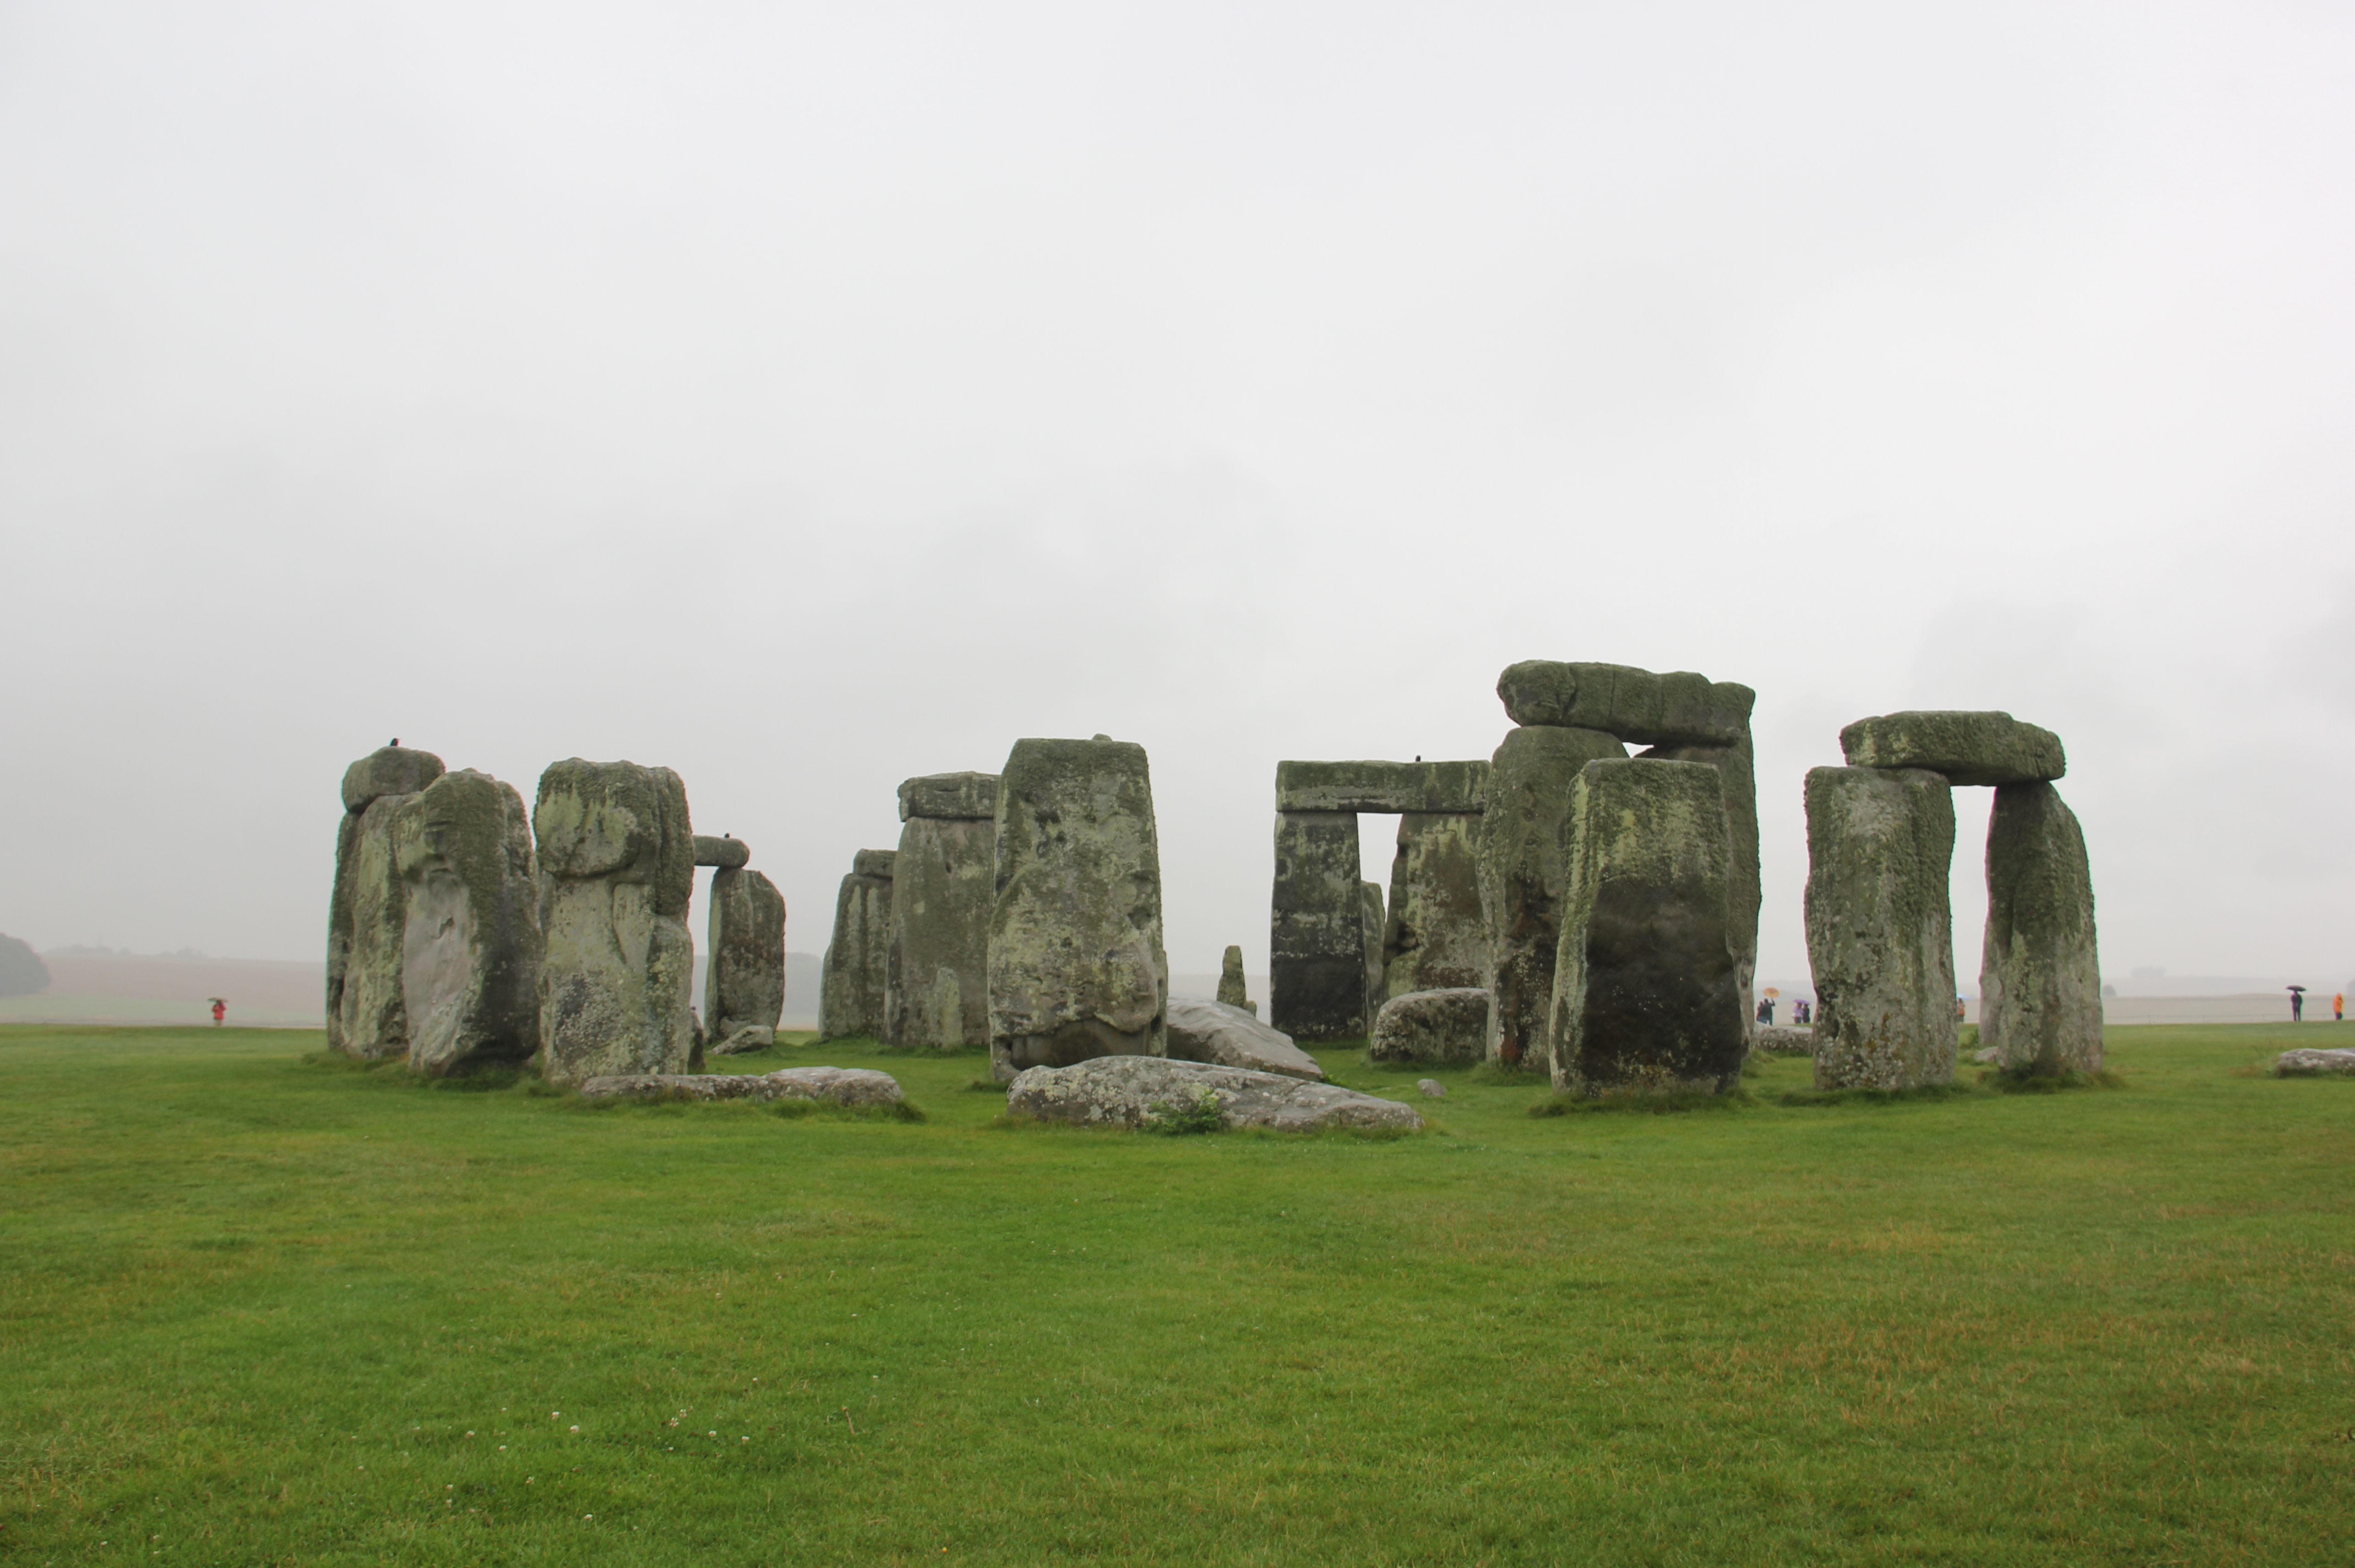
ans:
x=617 y=870
x=1317 y=946
x=1373 y=925
x=366 y=910
x=744 y=975
x=852 y=983
x=1645 y=999
x=1738 y=772
x=1524 y=849
x=2039 y=978
x=1437 y=939
x=1231 y=990
x=471 y=947
x=1076 y=964
x=936 y=965
x=1880 y=843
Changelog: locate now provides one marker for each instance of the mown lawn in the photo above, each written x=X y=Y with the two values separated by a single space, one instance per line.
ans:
x=256 y=1309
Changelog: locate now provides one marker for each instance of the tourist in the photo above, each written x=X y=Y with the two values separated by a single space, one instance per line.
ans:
x=221 y=1011
x=2297 y=1004
x=2338 y=1007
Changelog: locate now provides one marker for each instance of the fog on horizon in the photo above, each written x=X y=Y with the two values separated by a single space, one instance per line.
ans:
x=806 y=397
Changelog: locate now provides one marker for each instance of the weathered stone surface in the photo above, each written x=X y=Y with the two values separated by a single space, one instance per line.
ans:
x=22 y=973
x=1373 y=926
x=1384 y=787
x=1782 y=1039
x=841 y=1085
x=1316 y=943
x=1524 y=857
x=1436 y=938
x=1969 y=748
x=1215 y=1032
x=1449 y=1025
x=728 y=854
x=616 y=869
x=2039 y=973
x=1644 y=997
x=369 y=1014
x=470 y=943
x=950 y=797
x=1433 y=1089
x=1738 y=774
x=936 y=979
x=1231 y=990
x=1076 y=964
x=743 y=1038
x=1680 y=708
x=1880 y=844
x=389 y=770
x=1128 y=1091
x=744 y=969
x=2306 y=1063
x=853 y=983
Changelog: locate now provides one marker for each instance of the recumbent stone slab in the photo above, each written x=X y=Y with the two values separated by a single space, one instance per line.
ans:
x=1229 y=1037
x=2313 y=1063
x=2040 y=971
x=1680 y=708
x=841 y=1085
x=1130 y=1091
x=1880 y=844
x=470 y=941
x=1449 y=1025
x=1969 y=748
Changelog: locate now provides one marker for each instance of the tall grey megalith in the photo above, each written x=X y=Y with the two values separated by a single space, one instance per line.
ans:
x=2039 y=973
x=471 y=942
x=851 y=984
x=744 y=966
x=936 y=977
x=368 y=919
x=1880 y=844
x=1435 y=938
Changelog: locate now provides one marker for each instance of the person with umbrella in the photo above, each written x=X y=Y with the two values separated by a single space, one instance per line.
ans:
x=2297 y=1004
x=220 y=1010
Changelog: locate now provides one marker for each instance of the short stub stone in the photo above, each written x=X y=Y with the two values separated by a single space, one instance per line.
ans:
x=744 y=972
x=1880 y=844
x=1229 y=1037
x=840 y=1085
x=1432 y=1088
x=1783 y=1040
x=1680 y=709
x=1076 y=964
x=852 y=981
x=2307 y=1063
x=471 y=942
x=1231 y=989
x=1449 y=1025
x=1968 y=748
x=936 y=975
x=2040 y=973
x=1384 y=787
x=950 y=797
x=1436 y=938
x=728 y=854
x=1646 y=1000
x=1316 y=941
x=874 y=863
x=1132 y=1090
x=389 y=770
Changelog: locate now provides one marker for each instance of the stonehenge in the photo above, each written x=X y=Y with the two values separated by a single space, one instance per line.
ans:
x=368 y=911
x=471 y=943
x=1076 y=968
x=1435 y=938
x=744 y=974
x=937 y=958
x=851 y=983
x=1880 y=845
x=1132 y=1091
x=1231 y=990
x=1215 y=1032
x=1449 y=1025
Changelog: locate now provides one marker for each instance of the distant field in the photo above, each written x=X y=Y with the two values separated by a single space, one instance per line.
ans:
x=265 y=1309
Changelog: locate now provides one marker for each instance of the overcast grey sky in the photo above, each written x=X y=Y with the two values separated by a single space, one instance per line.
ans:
x=806 y=397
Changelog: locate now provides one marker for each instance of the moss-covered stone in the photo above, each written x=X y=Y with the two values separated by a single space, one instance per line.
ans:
x=1316 y=942
x=1232 y=991
x=616 y=869
x=1881 y=845
x=1448 y=1025
x=2040 y=971
x=1385 y=787
x=1524 y=855
x=1680 y=708
x=724 y=854
x=370 y=1016
x=950 y=797
x=1373 y=925
x=1969 y=748
x=1737 y=772
x=1077 y=967
x=389 y=770
x=1436 y=938
x=744 y=970
x=471 y=947
x=852 y=982
x=936 y=975
x=1645 y=996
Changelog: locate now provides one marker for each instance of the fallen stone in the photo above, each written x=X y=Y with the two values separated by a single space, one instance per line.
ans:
x=1385 y=787
x=743 y=1038
x=1231 y=990
x=841 y=1085
x=1433 y=1089
x=1317 y=937
x=1076 y=964
x=1969 y=748
x=1680 y=709
x=1646 y=998
x=936 y=964
x=1449 y=1025
x=616 y=868
x=389 y=770
x=1524 y=842
x=852 y=983
x=1229 y=1037
x=1986 y=1056
x=1129 y=1091
x=728 y=854
x=1782 y=1039
x=1436 y=938
x=2040 y=973
x=2309 y=1063
x=470 y=941
x=744 y=968
x=1880 y=934
x=950 y=797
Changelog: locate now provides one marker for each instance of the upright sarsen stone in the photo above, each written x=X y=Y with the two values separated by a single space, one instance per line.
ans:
x=371 y=1023
x=1373 y=926
x=936 y=986
x=1737 y=771
x=617 y=870
x=471 y=945
x=1317 y=945
x=1879 y=937
x=744 y=973
x=1524 y=849
x=1077 y=967
x=1437 y=939
x=1645 y=996
x=1232 y=992
x=852 y=983
x=2040 y=976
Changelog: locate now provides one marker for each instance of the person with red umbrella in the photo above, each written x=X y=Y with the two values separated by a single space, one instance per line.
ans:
x=220 y=1010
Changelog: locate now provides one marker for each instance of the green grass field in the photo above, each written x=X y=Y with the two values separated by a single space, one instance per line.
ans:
x=260 y=1308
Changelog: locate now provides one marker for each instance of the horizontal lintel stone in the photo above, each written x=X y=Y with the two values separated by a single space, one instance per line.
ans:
x=1387 y=787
